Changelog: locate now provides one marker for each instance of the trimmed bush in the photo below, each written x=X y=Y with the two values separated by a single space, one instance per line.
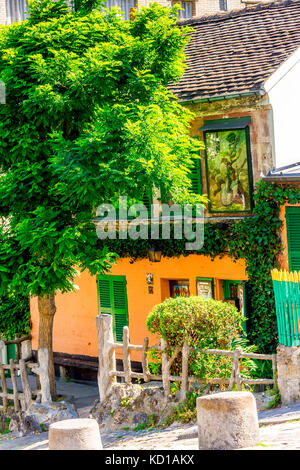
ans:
x=204 y=324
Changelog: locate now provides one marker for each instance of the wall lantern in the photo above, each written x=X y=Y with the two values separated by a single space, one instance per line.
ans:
x=154 y=255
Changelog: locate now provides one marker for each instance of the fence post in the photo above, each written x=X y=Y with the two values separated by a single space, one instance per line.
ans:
x=3 y=386
x=126 y=355
x=185 y=366
x=145 y=360
x=42 y=372
x=106 y=354
x=25 y=385
x=235 y=374
x=274 y=367
x=14 y=385
x=165 y=367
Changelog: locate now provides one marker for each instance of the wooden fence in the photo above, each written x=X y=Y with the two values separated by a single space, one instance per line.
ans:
x=107 y=372
x=286 y=287
x=21 y=399
x=10 y=392
x=18 y=344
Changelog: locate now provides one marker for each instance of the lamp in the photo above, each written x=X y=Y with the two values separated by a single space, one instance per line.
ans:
x=154 y=255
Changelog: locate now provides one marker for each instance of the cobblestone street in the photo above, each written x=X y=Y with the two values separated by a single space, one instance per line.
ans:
x=283 y=436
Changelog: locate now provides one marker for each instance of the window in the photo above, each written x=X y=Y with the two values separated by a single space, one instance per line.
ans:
x=205 y=287
x=223 y=5
x=228 y=165
x=16 y=10
x=124 y=5
x=293 y=237
x=112 y=298
x=180 y=288
x=187 y=11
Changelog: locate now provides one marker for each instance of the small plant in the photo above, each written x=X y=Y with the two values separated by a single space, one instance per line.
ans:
x=126 y=402
x=42 y=426
x=141 y=427
x=4 y=426
x=185 y=411
x=275 y=400
x=150 y=423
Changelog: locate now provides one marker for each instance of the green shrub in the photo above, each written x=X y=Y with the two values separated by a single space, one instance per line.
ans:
x=14 y=316
x=203 y=324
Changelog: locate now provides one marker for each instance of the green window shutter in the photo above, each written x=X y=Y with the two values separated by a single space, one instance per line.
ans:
x=112 y=296
x=195 y=177
x=293 y=237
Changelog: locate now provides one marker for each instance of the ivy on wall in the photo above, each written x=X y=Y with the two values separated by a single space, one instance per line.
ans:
x=256 y=239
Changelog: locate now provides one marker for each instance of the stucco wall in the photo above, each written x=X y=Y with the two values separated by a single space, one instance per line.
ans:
x=2 y=11
x=74 y=324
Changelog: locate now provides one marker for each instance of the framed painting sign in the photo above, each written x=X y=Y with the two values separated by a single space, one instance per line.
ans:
x=205 y=287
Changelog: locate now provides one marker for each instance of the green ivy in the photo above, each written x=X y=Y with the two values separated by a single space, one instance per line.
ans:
x=14 y=316
x=256 y=239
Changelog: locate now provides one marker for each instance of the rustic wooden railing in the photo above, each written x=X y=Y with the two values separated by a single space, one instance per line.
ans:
x=21 y=400
x=18 y=342
x=107 y=372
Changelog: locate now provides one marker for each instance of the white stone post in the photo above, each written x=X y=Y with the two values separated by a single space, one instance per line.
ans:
x=106 y=354
x=42 y=372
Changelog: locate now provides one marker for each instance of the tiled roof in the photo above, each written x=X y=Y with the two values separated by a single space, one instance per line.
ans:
x=236 y=52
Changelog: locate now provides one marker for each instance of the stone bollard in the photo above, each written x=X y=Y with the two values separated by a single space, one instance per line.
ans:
x=288 y=367
x=227 y=421
x=75 y=434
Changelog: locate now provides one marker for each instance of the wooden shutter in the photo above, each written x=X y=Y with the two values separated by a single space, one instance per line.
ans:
x=195 y=177
x=112 y=295
x=293 y=237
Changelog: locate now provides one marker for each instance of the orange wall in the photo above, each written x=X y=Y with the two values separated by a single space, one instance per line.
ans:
x=74 y=324
x=283 y=258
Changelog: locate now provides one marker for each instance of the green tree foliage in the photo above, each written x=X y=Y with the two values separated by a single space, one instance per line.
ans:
x=14 y=316
x=88 y=118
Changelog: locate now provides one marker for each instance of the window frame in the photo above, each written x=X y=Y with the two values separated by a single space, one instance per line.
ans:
x=249 y=163
x=207 y=279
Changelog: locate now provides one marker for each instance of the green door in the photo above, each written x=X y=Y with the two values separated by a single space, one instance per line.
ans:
x=112 y=298
x=293 y=237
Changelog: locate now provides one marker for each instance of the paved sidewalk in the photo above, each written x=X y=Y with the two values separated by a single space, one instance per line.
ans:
x=279 y=428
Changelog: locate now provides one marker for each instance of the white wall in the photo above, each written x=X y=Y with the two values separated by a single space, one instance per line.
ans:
x=283 y=89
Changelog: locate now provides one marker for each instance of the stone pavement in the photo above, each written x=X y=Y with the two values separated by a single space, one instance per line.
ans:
x=279 y=428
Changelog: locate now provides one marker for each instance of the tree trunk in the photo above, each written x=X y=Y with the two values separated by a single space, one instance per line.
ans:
x=47 y=309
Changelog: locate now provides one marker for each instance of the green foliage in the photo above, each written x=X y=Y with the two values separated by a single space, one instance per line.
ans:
x=88 y=118
x=14 y=316
x=185 y=411
x=126 y=402
x=149 y=424
x=203 y=323
x=4 y=425
x=276 y=399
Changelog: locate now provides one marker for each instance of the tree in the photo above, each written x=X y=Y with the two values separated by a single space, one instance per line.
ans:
x=88 y=117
